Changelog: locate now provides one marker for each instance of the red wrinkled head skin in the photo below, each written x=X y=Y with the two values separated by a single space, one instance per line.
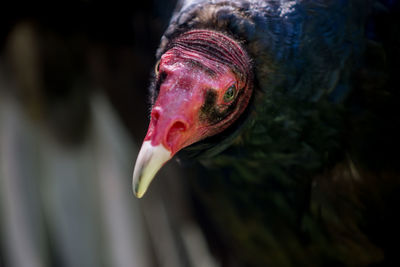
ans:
x=205 y=84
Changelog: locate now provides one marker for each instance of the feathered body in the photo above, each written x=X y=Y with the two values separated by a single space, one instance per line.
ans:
x=308 y=175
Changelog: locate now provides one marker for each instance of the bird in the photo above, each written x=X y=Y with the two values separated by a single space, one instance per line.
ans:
x=286 y=112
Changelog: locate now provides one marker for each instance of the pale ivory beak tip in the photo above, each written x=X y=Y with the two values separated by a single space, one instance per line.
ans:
x=149 y=162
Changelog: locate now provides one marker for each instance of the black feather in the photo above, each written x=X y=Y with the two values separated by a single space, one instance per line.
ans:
x=309 y=174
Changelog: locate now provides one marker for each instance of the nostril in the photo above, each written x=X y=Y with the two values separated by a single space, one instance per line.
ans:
x=178 y=126
x=174 y=132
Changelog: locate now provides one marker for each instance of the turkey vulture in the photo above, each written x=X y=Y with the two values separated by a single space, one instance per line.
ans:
x=288 y=111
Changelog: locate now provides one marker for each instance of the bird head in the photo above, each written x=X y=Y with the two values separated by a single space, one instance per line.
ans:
x=203 y=85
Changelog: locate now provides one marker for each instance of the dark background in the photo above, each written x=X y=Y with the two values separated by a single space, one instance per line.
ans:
x=109 y=45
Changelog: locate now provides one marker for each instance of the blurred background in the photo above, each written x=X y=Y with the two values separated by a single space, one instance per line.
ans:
x=73 y=113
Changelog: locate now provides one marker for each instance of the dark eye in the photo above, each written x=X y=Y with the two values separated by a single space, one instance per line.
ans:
x=230 y=94
x=157 y=67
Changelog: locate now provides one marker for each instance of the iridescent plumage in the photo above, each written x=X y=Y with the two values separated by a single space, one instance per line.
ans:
x=308 y=175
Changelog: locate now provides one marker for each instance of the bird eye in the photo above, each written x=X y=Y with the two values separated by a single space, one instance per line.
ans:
x=157 y=67
x=230 y=94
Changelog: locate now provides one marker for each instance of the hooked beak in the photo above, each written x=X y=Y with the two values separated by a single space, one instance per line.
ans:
x=173 y=125
x=149 y=161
